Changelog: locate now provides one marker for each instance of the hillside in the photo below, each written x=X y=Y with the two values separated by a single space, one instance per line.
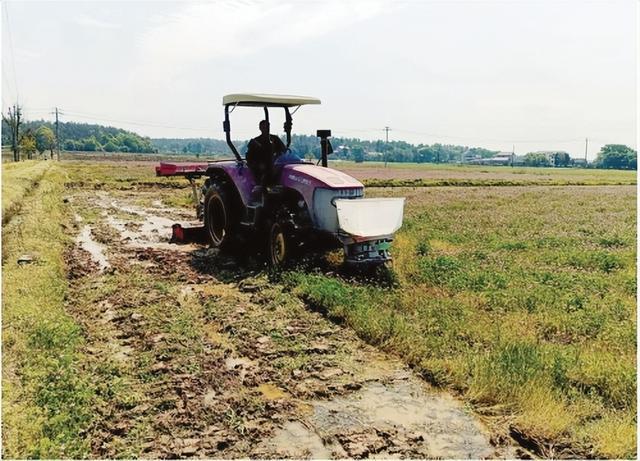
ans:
x=88 y=137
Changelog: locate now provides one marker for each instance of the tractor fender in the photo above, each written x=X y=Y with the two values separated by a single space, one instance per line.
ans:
x=222 y=179
x=238 y=176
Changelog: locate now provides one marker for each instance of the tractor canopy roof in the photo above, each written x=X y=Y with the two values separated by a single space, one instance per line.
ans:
x=268 y=100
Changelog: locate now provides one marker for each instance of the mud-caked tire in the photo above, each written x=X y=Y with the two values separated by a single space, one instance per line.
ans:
x=220 y=218
x=279 y=245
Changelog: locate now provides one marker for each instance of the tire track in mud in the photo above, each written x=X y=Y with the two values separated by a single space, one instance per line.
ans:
x=193 y=356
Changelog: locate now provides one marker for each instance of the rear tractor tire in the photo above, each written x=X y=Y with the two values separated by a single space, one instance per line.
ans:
x=219 y=217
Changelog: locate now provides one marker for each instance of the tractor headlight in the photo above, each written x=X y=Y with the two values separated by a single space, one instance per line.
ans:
x=324 y=207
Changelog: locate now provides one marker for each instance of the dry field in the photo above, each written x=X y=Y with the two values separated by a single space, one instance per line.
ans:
x=514 y=307
x=394 y=174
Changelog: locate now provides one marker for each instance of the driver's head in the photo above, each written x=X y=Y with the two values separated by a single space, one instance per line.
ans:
x=264 y=127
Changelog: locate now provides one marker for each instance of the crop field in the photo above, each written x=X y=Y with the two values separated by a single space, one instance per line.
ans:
x=429 y=174
x=505 y=326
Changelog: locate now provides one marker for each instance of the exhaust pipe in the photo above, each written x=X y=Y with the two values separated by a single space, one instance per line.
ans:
x=325 y=145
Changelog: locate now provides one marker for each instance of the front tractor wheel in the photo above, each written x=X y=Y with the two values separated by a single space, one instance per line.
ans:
x=279 y=247
x=217 y=217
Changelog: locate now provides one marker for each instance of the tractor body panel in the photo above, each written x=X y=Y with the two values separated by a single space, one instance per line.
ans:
x=239 y=174
x=319 y=186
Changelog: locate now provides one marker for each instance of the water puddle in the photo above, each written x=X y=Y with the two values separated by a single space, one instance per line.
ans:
x=295 y=440
x=148 y=229
x=434 y=424
x=271 y=392
x=395 y=418
x=86 y=242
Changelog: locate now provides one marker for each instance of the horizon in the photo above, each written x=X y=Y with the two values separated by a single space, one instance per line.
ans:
x=311 y=135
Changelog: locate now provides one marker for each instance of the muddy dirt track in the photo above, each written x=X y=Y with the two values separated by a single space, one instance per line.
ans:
x=195 y=356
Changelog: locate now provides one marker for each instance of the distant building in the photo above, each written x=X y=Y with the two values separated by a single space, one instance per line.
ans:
x=579 y=162
x=469 y=157
x=341 y=150
x=552 y=155
x=501 y=158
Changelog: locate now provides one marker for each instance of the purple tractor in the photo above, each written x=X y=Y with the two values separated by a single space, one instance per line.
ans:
x=303 y=203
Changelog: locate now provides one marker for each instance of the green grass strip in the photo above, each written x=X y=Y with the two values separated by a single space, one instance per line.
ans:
x=17 y=180
x=46 y=396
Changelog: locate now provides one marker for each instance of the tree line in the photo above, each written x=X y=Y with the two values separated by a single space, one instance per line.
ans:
x=39 y=137
x=615 y=156
x=25 y=137
x=344 y=149
x=77 y=137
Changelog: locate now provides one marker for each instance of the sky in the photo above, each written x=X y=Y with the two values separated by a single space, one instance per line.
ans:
x=527 y=75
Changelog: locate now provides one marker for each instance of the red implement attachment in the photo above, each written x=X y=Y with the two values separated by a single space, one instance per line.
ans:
x=181 y=234
x=192 y=170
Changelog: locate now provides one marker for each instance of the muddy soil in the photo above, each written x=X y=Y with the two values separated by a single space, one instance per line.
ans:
x=195 y=356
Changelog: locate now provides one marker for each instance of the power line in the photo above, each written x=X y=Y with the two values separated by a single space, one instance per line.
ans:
x=13 y=58
x=99 y=118
x=7 y=80
x=530 y=141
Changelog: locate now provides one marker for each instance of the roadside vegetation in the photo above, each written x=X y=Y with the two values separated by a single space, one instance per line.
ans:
x=46 y=396
x=520 y=299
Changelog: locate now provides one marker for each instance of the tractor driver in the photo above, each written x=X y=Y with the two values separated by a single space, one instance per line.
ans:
x=261 y=153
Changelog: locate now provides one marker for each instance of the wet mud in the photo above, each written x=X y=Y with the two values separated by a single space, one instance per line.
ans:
x=87 y=243
x=196 y=363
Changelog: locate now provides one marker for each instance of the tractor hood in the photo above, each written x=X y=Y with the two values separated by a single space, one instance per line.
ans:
x=317 y=176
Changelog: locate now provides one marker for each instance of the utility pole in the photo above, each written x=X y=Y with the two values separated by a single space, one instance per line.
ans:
x=513 y=154
x=18 y=111
x=586 y=147
x=386 y=154
x=57 y=135
x=13 y=121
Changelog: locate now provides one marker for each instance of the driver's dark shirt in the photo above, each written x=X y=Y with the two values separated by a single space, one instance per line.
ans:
x=260 y=156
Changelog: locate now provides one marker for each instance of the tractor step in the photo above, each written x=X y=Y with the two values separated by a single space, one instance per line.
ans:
x=251 y=216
